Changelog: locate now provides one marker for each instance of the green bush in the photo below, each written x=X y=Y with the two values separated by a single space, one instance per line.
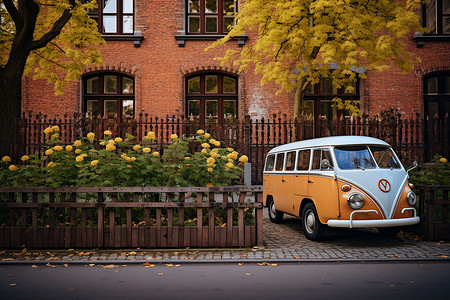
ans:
x=437 y=172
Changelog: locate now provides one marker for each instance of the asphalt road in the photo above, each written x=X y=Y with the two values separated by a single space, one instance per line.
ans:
x=413 y=280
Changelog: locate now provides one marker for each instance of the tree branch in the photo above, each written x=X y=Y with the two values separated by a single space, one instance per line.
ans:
x=56 y=29
x=14 y=13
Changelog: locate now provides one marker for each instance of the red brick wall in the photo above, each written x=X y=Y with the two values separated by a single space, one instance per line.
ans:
x=160 y=66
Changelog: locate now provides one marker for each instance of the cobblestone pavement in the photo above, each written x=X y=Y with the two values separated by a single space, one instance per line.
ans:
x=283 y=242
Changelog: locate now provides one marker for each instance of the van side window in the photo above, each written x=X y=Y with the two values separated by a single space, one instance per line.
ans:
x=280 y=162
x=290 y=161
x=303 y=160
x=270 y=162
x=318 y=156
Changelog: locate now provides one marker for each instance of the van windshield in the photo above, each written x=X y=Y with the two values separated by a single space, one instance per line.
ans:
x=354 y=157
x=385 y=157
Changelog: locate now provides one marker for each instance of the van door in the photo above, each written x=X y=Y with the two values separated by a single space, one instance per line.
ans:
x=301 y=186
x=322 y=185
x=280 y=184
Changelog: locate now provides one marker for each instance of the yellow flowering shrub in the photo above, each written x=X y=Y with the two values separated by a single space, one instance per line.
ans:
x=91 y=136
x=6 y=159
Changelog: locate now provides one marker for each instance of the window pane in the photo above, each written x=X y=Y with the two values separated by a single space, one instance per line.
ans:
x=194 y=24
x=326 y=155
x=211 y=83
x=110 y=108
x=92 y=107
x=211 y=6
x=228 y=6
x=128 y=107
x=229 y=108
x=384 y=157
x=194 y=6
x=128 y=6
x=316 y=160
x=127 y=86
x=109 y=24
x=128 y=24
x=270 y=162
x=353 y=158
x=194 y=85
x=280 y=162
x=447 y=84
x=193 y=108
x=308 y=109
x=227 y=23
x=110 y=6
x=446 y=7
x=211 y=108
x=110 y=84
x=432 y=84
x=445 y=25
x=303 y=160
x=211 y=24
x=92 y=85
x=229 y=85
x=326 y=86
x=431 y=16
x=290 y=161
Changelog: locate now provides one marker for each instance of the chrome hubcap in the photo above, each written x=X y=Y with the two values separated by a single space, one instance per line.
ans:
x=272 y=209
x=310 y=222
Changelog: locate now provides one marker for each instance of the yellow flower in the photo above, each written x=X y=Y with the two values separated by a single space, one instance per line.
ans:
x=243 y=159
x=107 y=132
x=212 y=141
x=110 y=147
x=207 y=135
x=232 y=155
x=13 y=168
x=77 y=143
x=187 y=158
x=79 y=158
x=205 y=151
x=77 y=151
x=215 y=150
x=69 y=148
x=230 y=160
x=94 y=162
x=6 y=159
x=217 y=144
x=229 y=165
x=55 y=128
x=49 y=152
x=224 y=157
x=209 y=184
x=174 y=136
x=146 y=150
x=133 y=158
x=25 y=158
x=51 y=164
x=200 y=131
x=102 y=143
x=136 y=147
x=83 y=155
x=127 y=158
x=229 y=149
x=58 y=148
x=48 y=130
x=151 y=135
x=118 y=139
x=156 y=154
x=91 y=136
x=55 y=136
x=210 y=170
x=214 y=154
x=112 y=142
x=205 y=145
x=129 y=166
x=443 y=160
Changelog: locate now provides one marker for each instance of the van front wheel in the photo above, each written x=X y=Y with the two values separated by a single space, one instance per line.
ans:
x=274 y=215
x=312 y=228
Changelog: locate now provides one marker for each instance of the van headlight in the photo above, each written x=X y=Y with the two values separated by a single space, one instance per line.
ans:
x=412 y=199
x=355 y=201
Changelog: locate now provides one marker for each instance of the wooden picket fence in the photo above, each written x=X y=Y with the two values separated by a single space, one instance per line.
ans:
x=144 y=217
x=434 y=212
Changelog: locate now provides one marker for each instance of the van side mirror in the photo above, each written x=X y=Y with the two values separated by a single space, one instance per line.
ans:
x=325 y=163
x=415 y=165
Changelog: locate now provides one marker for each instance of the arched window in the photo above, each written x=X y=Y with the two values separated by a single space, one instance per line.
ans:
x=108 y=93
x=212 y=95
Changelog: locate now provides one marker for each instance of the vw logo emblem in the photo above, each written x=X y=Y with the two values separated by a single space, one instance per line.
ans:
x=384 y=185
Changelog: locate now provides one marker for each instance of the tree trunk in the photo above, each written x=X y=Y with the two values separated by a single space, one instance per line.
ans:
x=298 y=108
x=9 y=115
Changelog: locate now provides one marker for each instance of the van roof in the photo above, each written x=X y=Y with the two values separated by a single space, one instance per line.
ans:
x=331 y=141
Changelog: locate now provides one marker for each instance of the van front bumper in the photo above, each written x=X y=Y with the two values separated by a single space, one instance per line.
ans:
x=373 y=223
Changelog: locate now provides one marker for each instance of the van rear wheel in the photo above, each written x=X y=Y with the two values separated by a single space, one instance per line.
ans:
x=312 y=228
x=274 y=215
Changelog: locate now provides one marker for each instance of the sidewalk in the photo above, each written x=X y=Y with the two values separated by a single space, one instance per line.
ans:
x=283 y=242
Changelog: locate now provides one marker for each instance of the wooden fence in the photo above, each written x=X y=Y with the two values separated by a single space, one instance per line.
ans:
x=412 y=138
x=434 y=208
x=148 y=217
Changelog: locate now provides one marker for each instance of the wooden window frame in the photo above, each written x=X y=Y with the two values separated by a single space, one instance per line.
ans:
x=220 y=15
x=439 y=18
x=119 y=15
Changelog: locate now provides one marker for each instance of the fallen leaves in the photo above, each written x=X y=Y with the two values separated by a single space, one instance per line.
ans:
x=267 y=264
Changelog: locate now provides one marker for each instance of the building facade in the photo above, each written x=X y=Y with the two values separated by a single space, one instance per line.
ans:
x=154 y=62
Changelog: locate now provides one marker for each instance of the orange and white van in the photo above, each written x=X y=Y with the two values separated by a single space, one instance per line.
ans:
x=343 y=181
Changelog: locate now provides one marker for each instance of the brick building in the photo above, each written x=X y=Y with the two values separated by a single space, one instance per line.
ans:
x=154 y=61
